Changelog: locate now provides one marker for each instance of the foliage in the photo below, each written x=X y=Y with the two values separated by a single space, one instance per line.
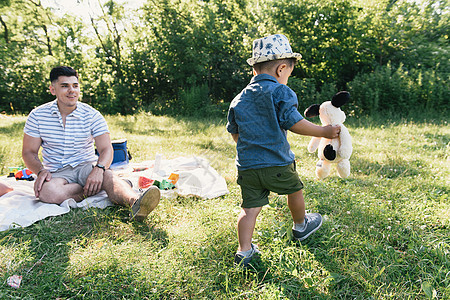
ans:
x=396 y=90
x=326 y=33
x=192 y=42
x=194 y=101
x=385 y=234
x=147 y=58
x=307 y=93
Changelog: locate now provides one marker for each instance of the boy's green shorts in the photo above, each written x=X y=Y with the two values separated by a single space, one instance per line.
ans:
x=256 y=184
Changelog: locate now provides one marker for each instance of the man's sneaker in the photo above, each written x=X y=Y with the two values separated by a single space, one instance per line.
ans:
x=145 y=204
x=243 y=261
x=312 y=223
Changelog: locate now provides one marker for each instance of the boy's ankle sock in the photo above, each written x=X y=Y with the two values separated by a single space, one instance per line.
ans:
x=245 y=253
x=299 y=226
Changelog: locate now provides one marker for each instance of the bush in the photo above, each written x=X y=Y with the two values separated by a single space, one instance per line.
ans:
x=306 y=91
x=195 y=101
x=399 y=92
x=433 y=91
x=383 y=89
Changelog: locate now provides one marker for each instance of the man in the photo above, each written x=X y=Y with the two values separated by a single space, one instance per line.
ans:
x=66 y=130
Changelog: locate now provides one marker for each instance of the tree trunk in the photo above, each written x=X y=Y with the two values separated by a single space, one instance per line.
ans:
x=5 y=34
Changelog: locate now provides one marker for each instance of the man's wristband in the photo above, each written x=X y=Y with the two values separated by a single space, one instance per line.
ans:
x=43 y=169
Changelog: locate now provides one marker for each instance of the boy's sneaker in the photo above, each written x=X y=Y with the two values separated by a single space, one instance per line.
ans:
x=147 y=202
x=243 y=261
x=312 y=223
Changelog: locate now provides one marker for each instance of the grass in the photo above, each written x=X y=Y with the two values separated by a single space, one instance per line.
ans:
x=385 y=236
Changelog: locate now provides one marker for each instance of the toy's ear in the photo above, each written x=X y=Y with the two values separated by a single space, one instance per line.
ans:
x=340 y=98
x=312 y=111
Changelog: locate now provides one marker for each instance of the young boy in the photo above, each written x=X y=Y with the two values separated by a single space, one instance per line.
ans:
x=258 y=120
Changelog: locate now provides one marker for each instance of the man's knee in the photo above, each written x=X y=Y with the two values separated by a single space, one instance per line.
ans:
x=49 y=197
x=50 y=193
x=108 y=180
x=56 y=191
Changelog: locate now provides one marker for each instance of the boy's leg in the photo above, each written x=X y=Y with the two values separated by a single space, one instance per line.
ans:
x=313 y=221
x=304 y=224
x=296 y=205
x=245 y=226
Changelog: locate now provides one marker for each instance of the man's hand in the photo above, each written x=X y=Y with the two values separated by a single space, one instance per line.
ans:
x=43 y=176
x=94 y=182
x=331 y=131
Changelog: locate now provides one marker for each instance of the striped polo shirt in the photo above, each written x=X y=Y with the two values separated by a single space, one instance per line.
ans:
x=69 y=145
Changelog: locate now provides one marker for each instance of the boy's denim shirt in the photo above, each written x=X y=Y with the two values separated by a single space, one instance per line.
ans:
x=261 y=114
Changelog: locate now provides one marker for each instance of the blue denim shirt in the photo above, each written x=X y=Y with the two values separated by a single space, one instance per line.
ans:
x=261 y=114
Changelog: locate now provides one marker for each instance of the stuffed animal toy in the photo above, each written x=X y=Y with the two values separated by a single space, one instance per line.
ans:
x=331 y=151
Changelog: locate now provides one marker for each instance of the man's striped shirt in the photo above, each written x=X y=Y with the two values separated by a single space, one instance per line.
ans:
x=69 y=145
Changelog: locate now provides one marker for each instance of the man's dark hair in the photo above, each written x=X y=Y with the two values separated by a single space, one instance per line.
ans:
x=62 y=71
x=268 y=65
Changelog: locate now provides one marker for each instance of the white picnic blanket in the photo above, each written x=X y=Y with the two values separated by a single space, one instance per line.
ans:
x=20 y=208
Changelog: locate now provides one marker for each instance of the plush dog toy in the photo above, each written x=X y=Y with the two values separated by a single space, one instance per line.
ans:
x=338 y=150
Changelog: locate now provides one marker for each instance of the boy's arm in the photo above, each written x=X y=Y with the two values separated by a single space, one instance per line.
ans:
x=304 y=127
x=235 y=136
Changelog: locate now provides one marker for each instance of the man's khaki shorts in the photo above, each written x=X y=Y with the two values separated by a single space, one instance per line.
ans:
x=78 y=174
x=256 y=184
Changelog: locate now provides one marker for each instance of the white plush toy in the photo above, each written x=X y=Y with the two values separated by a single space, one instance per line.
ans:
x=331 y=151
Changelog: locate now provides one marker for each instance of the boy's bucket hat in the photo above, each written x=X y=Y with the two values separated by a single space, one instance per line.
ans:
x=271 y=47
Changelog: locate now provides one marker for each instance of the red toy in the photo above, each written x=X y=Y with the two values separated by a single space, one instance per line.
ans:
x=24 y=174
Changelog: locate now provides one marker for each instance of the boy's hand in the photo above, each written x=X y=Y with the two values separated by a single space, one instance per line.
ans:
x=305 y=127
x=331 y=131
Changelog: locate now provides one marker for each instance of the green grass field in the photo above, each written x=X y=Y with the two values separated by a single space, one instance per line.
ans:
x=386 y=233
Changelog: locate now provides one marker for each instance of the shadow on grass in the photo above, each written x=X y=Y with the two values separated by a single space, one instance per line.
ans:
x=390 y=168
x=57 y=239
x=143 y=124
x=371 y=245
x=367 y=244
x=15 y=128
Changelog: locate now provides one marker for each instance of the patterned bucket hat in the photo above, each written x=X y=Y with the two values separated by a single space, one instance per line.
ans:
x=271 y=47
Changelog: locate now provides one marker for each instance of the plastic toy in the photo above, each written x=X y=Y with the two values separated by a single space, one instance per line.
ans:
x=13 y=171
x=174 y=177
x=164 y=184
x=24 y=174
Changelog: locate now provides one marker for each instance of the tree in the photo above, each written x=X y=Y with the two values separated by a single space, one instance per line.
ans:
x=324 y=32
x=26 y=52
x=111 y=50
